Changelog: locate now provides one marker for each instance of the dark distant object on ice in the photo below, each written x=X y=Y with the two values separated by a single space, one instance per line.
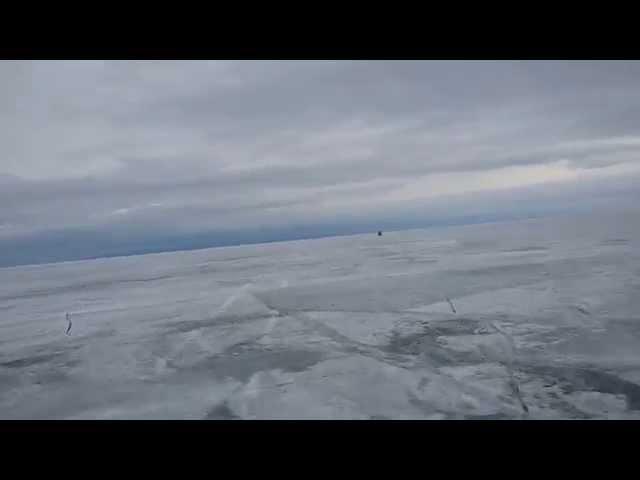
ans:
x=379 y=233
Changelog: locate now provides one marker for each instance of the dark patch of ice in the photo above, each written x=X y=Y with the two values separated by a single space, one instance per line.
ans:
x=573 y=379
x=221 y=412
x=32 y=360
x=243 y=360
x=532 y=248
x=424 y=345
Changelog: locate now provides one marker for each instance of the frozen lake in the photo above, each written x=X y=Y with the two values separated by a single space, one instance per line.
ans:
x=537 y=319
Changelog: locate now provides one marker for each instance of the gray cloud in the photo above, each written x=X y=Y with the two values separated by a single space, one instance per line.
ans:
x=202 y=145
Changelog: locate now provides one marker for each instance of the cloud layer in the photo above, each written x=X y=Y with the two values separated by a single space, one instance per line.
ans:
x=215 y=146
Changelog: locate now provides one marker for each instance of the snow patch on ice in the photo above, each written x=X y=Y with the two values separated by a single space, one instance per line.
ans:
x=244 y=304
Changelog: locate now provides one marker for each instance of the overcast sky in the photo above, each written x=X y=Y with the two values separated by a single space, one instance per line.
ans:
x=181 y=146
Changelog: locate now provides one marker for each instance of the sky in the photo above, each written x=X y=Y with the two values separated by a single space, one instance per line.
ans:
x=102 y=158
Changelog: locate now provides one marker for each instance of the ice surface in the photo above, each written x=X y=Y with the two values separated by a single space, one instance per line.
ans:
x=547 y=315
